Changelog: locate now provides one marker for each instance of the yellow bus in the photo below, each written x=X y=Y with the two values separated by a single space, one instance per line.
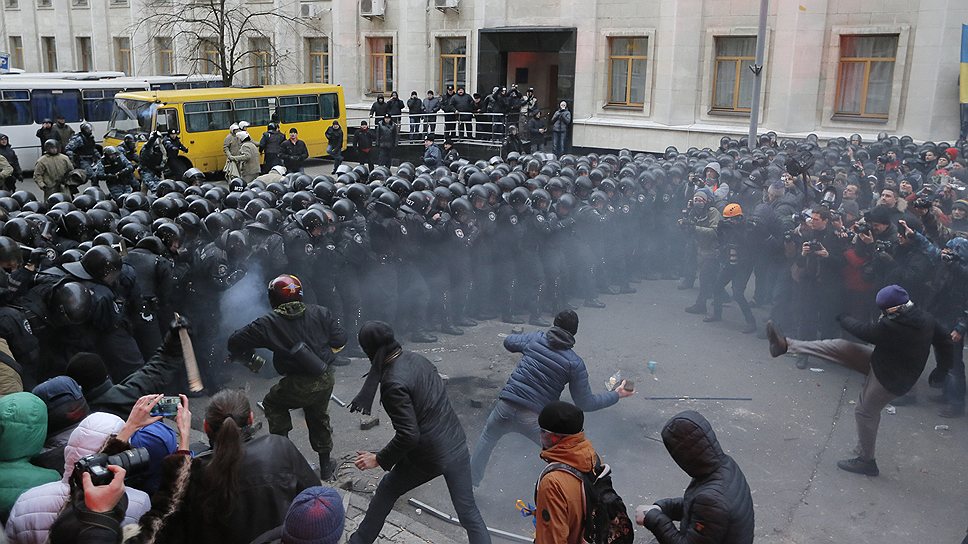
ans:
x=203 y=117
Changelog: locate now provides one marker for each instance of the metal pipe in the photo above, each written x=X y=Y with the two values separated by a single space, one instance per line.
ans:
x=757 y=69
x=439 y=514
x=336 y=399
x=687 y=397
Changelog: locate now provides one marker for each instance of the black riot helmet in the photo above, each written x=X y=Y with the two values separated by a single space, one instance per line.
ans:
x=387 y=204
x=190 y=223
x=51 y=147
x=76 y=225
x=164 y=207
x=324 y=191
x=152 y=244
x=401 y=187
x=19 y=230
x=170 y=234
x=540 y=199
x=235 y=245
x=101 y=263
x=518 y=198
x=215 y=224
x=301 y=200
x=461 y=208
x=419 y=202
x=10 y=254
x=357 y=192
x=344 y=209
x=102 y=220
x=566 y=204
x=312 y=220
x=72 y=302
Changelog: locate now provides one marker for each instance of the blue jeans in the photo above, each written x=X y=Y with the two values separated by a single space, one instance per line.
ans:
x=558 y=142
x=407 y=475
x=505 y=418
x=954 y=381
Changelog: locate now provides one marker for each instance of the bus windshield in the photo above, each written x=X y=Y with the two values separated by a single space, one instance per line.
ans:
x=131 y=117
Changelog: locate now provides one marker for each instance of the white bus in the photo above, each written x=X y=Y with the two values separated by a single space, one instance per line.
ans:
x=86 y=76
x=177 y=82
x=25 y=103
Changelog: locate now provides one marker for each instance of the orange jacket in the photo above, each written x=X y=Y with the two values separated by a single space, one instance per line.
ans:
x=559 y=505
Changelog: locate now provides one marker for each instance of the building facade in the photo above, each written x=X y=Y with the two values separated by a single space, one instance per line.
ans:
x=639 y=74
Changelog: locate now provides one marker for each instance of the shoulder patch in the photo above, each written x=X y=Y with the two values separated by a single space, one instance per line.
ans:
x=357 y=238
x=513 y=219
x=403 y=229
x=459 y=233
x=492 y=216
x=222 y=270
x=641 y=198
x=546 y=516
x=428 y=226
x=309 y=249
x=540 y=218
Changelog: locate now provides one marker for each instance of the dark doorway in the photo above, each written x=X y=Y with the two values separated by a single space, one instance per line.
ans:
x=545 y=55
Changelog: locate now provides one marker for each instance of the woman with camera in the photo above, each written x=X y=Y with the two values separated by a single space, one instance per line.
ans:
x=235 y=492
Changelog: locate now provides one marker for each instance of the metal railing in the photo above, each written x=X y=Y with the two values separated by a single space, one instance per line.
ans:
x=487 y=129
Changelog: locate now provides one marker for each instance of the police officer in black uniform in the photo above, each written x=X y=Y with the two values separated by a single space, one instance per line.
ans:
x=155 y=278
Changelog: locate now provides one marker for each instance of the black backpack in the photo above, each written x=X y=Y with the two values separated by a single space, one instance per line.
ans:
x=606 y=517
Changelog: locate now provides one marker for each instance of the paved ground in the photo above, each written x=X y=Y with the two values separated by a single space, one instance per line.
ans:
x=787 y=439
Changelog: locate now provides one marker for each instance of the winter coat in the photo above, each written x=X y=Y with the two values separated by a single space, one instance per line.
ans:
x=23 y=428
x=6 y=169
x=431 y=105
x=559 y=501
x=231 y=147
x=279 y=332
x=50 y=171
x=432 y=157
x=395 y=107
x=386 y=135
x=272 y=472
x=428 y=433
x=7 y=152
x=415 y=106
x=547 y=364
x=293 y=154
x=154 y=376
x=62 y=133
x=35 y=510
x=902 y=342
x=560 y=121
x=462 y=103
x=363 y=139
x=248 y=159
x=271 y=142
x=717 y=507
x=334 y=139
x=379 y=109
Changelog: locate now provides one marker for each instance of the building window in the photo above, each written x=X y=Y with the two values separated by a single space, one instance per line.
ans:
x=733 y=79
x=865 y=74
x=85 y=55
x=453 y=62
x=48 y=48
x=626 y=71
x=79 y=3
x=16 y=52
x=380 y=51
x=318 y=61
x=165 y=51
x=261 y=59
x=45 y=3
x=122 y=55
x=11 y=4
x=208 y=57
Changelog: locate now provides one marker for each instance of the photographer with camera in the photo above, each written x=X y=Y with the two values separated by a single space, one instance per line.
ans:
x=96 y=443
x=817 y=273
x=700 y=223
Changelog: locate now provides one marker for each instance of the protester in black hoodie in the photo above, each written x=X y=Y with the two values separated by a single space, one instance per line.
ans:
x=717 y=507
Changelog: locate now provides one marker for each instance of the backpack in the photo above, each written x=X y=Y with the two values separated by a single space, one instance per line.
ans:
x=606 y=517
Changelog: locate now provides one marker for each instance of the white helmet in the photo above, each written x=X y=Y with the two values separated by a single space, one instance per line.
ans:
x=279 y=169
x=234 y=127
x=243 y=125
x=242 y=135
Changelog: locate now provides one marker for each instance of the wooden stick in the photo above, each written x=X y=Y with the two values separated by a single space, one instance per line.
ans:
x=191 y=366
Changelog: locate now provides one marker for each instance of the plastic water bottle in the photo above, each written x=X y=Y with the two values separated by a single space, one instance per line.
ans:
x=652 y=366
x=612 y=382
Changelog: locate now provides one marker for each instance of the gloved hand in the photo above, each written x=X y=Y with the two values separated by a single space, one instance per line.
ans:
x=172 y=343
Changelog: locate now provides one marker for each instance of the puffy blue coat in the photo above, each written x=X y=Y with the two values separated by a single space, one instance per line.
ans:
x=546 y=366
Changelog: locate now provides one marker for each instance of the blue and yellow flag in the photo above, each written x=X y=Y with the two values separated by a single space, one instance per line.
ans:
x=964 y=81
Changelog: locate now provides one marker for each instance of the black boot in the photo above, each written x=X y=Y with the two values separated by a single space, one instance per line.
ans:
x=696 y=308
x=717 y=314
x=326 y=467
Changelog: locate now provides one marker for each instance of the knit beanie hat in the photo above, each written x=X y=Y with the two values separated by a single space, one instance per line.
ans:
x=562 y=418
x=568 y=320
x=891 y=296
x=705 y=193
x=315 y=516
x=776 y=189
x=87 y=369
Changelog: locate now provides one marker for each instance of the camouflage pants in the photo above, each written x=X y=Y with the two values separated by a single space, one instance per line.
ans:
x=311 y=393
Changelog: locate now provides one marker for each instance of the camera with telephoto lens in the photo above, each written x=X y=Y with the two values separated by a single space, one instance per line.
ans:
x=814 y=245
x=132 y=461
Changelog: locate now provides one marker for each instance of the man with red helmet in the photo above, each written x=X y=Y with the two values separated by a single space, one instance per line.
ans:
x=304 y=339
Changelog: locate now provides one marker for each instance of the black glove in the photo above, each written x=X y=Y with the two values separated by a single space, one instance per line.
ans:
x=172 y=344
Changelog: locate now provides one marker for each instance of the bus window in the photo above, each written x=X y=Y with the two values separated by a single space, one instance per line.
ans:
x=329 y=105
x=167 y=120
x=255 y=111
x=98 y=104
x=205 y=116
x=130 y=117
x=15 y=108
x=49 y=104
x=216 y=83
x=164 y=87
x=298 y=109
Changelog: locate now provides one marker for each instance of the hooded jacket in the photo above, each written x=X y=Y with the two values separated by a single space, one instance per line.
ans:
x=23 y=428
x=559 y=500
x=717 y=507
x=118 y=399
x=548 y=364
x=35 y=511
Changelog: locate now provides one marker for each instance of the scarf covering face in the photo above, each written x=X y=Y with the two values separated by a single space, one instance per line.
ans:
x=377 y=341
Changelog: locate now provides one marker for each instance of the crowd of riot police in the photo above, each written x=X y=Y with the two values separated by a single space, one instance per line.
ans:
x=432 y=251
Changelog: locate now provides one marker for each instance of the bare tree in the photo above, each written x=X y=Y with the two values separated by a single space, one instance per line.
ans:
x=221 y=34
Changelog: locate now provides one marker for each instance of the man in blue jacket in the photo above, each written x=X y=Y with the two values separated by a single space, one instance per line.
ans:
x=547 y=364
